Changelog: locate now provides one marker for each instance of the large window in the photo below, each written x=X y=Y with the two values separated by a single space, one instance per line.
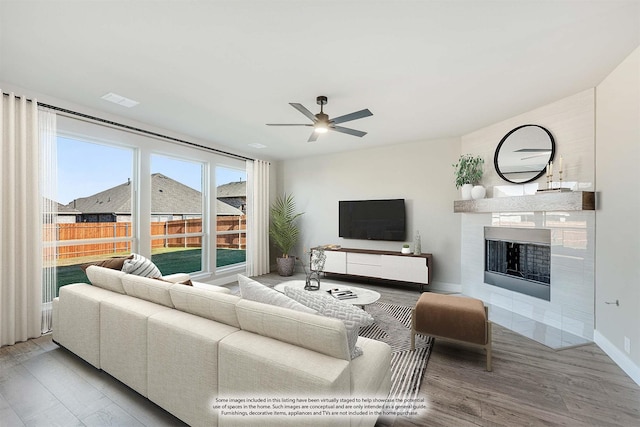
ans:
x=121 y=192
x=94 y=218
x=231 y=219
x=176 y=214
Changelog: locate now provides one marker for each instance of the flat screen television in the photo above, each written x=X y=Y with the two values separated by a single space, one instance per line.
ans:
x=372 y=219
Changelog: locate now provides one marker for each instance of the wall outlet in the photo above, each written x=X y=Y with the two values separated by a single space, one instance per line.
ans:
x=627 y=345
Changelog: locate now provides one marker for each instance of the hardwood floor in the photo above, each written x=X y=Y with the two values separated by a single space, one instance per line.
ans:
x=42 y=384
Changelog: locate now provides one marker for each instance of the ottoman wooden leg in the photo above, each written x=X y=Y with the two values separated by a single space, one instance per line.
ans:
x=488 y=348
x=413 y=329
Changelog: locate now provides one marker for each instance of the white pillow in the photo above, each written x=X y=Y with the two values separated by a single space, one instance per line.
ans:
x=141 y=266
x=353 y=317
x=255 y=291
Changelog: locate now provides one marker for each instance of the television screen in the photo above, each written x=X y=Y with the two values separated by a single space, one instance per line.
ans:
x=372 y=219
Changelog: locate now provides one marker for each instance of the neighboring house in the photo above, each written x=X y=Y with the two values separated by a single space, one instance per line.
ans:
x=63 y=214
x=170 y=200
x=234 y=194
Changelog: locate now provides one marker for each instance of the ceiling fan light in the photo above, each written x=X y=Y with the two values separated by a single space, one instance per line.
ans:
x=321 y=128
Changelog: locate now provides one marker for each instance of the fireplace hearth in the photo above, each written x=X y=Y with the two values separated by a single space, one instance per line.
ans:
x=519 y=259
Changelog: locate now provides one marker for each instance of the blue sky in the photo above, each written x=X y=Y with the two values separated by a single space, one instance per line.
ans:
x=85 y=169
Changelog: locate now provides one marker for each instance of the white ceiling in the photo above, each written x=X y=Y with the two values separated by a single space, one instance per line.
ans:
x=220 y=70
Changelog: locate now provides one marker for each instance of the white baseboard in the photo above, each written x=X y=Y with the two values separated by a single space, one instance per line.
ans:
x=620 y=358
x=445 y=287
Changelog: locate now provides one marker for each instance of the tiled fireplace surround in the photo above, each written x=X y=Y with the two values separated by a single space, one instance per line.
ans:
x=568 y=318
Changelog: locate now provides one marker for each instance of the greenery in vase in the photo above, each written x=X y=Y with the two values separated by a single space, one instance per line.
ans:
x=284 y=231
x=468 y=170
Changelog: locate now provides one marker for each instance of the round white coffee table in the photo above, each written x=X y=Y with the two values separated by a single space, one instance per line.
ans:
x=365 y=296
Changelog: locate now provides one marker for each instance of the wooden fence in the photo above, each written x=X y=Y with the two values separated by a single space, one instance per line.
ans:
x=160 y=232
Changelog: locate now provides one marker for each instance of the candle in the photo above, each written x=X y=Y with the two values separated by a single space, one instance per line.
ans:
x=551 y=169
x=547 y=170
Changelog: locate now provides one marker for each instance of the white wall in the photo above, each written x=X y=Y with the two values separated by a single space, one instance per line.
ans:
x=419 y=172
x=618 y=224
x=571 y=122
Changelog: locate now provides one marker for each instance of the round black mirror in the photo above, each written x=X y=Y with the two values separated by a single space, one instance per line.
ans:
x=523 y=154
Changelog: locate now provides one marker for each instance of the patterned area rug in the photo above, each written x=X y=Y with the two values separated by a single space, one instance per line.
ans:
x=393 y=326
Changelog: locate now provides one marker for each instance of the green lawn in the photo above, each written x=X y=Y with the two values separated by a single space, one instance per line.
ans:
x=168 y=263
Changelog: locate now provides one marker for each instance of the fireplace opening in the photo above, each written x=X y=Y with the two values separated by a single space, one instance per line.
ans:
x=519 y=259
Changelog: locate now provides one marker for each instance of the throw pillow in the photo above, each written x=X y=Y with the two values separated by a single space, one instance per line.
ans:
x=353 y=317
x=255 y=291
x=114 y=263
x=141 y=266
x=187 y=282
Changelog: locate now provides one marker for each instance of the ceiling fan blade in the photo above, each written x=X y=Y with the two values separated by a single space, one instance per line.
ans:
x=352 y=116
x=303 y=110
x=286 y=124
x=347 y=130
x=313 y=137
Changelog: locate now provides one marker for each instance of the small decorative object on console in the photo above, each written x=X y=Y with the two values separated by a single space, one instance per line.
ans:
x=406 y=249
x=417 y=246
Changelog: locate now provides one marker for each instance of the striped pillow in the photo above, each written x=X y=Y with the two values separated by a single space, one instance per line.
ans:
x=141 y=266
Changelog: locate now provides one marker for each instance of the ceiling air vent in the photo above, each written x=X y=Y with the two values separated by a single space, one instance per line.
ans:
x=120 y=100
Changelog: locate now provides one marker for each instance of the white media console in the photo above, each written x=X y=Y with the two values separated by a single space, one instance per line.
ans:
x=379 y=265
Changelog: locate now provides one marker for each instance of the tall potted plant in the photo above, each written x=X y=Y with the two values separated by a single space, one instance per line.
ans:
x=284 y=232
x=468 y=172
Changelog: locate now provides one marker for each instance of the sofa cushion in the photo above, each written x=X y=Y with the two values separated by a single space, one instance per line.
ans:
x=106 y=278
x=353 y=317
x=152 y=290
x=114 y=263
x=211 y=304
x=183 y=364
x=369 y=371
x=318 y=333
x=255 y=291
x=141 y=266
x=77 y=315
x=253 y=365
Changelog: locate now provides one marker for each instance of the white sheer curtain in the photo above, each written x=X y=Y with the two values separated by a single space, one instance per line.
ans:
x=20 y=228
x=49 y=206
x=258 y=217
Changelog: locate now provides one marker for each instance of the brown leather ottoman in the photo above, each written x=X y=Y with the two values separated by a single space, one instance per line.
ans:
x=460 y=319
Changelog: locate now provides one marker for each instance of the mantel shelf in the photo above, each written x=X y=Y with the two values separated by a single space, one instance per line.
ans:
x=567 y=201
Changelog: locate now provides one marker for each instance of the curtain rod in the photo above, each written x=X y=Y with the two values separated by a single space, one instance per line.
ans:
x=133 y=128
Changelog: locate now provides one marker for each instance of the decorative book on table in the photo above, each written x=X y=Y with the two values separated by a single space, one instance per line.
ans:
x=342 y=293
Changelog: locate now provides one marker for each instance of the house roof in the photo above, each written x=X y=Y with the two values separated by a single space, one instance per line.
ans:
x=233 y=189
x=168 y=196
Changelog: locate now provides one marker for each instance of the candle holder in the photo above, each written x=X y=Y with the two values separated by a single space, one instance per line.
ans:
x=560 y=173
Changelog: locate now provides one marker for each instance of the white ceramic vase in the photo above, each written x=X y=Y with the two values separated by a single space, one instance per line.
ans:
x=478 y=192
x=466 y=191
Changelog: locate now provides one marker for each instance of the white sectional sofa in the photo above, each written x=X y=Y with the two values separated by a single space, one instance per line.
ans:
x=182 y=347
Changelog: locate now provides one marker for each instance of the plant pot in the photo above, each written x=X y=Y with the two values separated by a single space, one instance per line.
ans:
x=466 y=191
x=406 y=250
x=478 y=192
x=286 y=266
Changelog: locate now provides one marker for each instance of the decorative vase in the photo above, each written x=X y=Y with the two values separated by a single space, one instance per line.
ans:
x=286 y=265
x=417 y=245
x=466 y=191
x=478 y=192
